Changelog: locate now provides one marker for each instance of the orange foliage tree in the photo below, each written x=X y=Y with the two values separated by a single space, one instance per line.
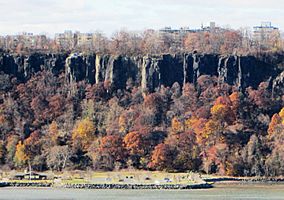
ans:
x=198 y=126
x=162 y=157
x=110 y=153
x=134 y=143
x=277 y=123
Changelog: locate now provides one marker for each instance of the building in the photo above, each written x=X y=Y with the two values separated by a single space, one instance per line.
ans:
x=265 y=32
x=85 y=40
x=69 y=40
x=65 y=40
x=183 y=30
x=211 y=28
x=24 y=41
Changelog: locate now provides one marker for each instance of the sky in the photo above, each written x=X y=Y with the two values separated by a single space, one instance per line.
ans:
x=108 y=16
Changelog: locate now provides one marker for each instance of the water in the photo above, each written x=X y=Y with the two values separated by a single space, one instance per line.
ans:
x=251 y=192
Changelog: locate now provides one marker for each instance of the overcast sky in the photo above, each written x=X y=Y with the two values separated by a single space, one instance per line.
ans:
x=50 y=16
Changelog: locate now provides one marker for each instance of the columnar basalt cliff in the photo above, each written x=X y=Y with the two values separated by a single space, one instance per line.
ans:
x=149 y=72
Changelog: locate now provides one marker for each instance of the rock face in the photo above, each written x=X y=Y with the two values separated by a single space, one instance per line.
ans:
x=278 y=83
x=23 y=67
x=149 y=72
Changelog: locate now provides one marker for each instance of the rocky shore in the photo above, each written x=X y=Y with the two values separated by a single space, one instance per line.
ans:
x=139 y=186
x=206 y=185
x=110 y=186
x=245 y=180
x=31 y=184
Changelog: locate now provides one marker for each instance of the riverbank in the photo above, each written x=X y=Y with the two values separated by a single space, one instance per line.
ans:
x=109 y=186
x=244 y=179
x=135 y=180
x=26 y=184
x=140 y=186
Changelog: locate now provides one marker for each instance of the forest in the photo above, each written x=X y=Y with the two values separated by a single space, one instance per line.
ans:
x=208 y=127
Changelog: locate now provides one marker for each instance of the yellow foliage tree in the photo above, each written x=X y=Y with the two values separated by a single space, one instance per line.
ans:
x=21 y=157
x=212 y=132
x=83 y=133
x=281 y=113
x=122 y=122
x=222 y=110
x=177 y=126
x=53 y=132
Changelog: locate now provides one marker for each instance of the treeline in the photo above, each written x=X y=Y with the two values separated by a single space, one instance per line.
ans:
x=210 y=127
x=217 y=41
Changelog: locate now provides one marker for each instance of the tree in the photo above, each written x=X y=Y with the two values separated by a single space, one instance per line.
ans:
x=197 y=125
x=21 y=157
x=192 y=42
x=177 y=126
x=11 y=148
x=188 y=152
x=215 y=159
x=134 y=142
x=125 y=43
x=56 y=106
x=32 y=148
x=53 y=133
x=222 y=111
x=274 y=163
x=253 y=157
x=153 y=110
x=235 y=100
x=110 y=153
x=100 y=43
x=163 y=157
x=274 y=124
x=58 y=157
x=277 y=124
x=151 y=42
x=281 y=113
x=231 y=42
x=2 y=152
x=83 y=133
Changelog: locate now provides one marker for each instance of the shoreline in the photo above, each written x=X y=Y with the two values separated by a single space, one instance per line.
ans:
x=109 y=186
x=207 y=185
x=244 y=179
x=204 y=183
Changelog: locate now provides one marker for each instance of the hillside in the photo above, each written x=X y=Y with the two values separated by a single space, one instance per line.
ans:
x=183 y=112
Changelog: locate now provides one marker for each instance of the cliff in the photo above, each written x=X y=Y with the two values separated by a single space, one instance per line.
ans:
x=149 y=72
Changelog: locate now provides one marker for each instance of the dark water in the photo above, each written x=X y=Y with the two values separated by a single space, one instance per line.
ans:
x=220 y=192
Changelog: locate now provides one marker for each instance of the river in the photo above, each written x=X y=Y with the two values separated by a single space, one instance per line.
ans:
x=242 y=192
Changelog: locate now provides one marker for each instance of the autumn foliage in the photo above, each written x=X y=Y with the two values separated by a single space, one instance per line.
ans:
x=207 y=127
